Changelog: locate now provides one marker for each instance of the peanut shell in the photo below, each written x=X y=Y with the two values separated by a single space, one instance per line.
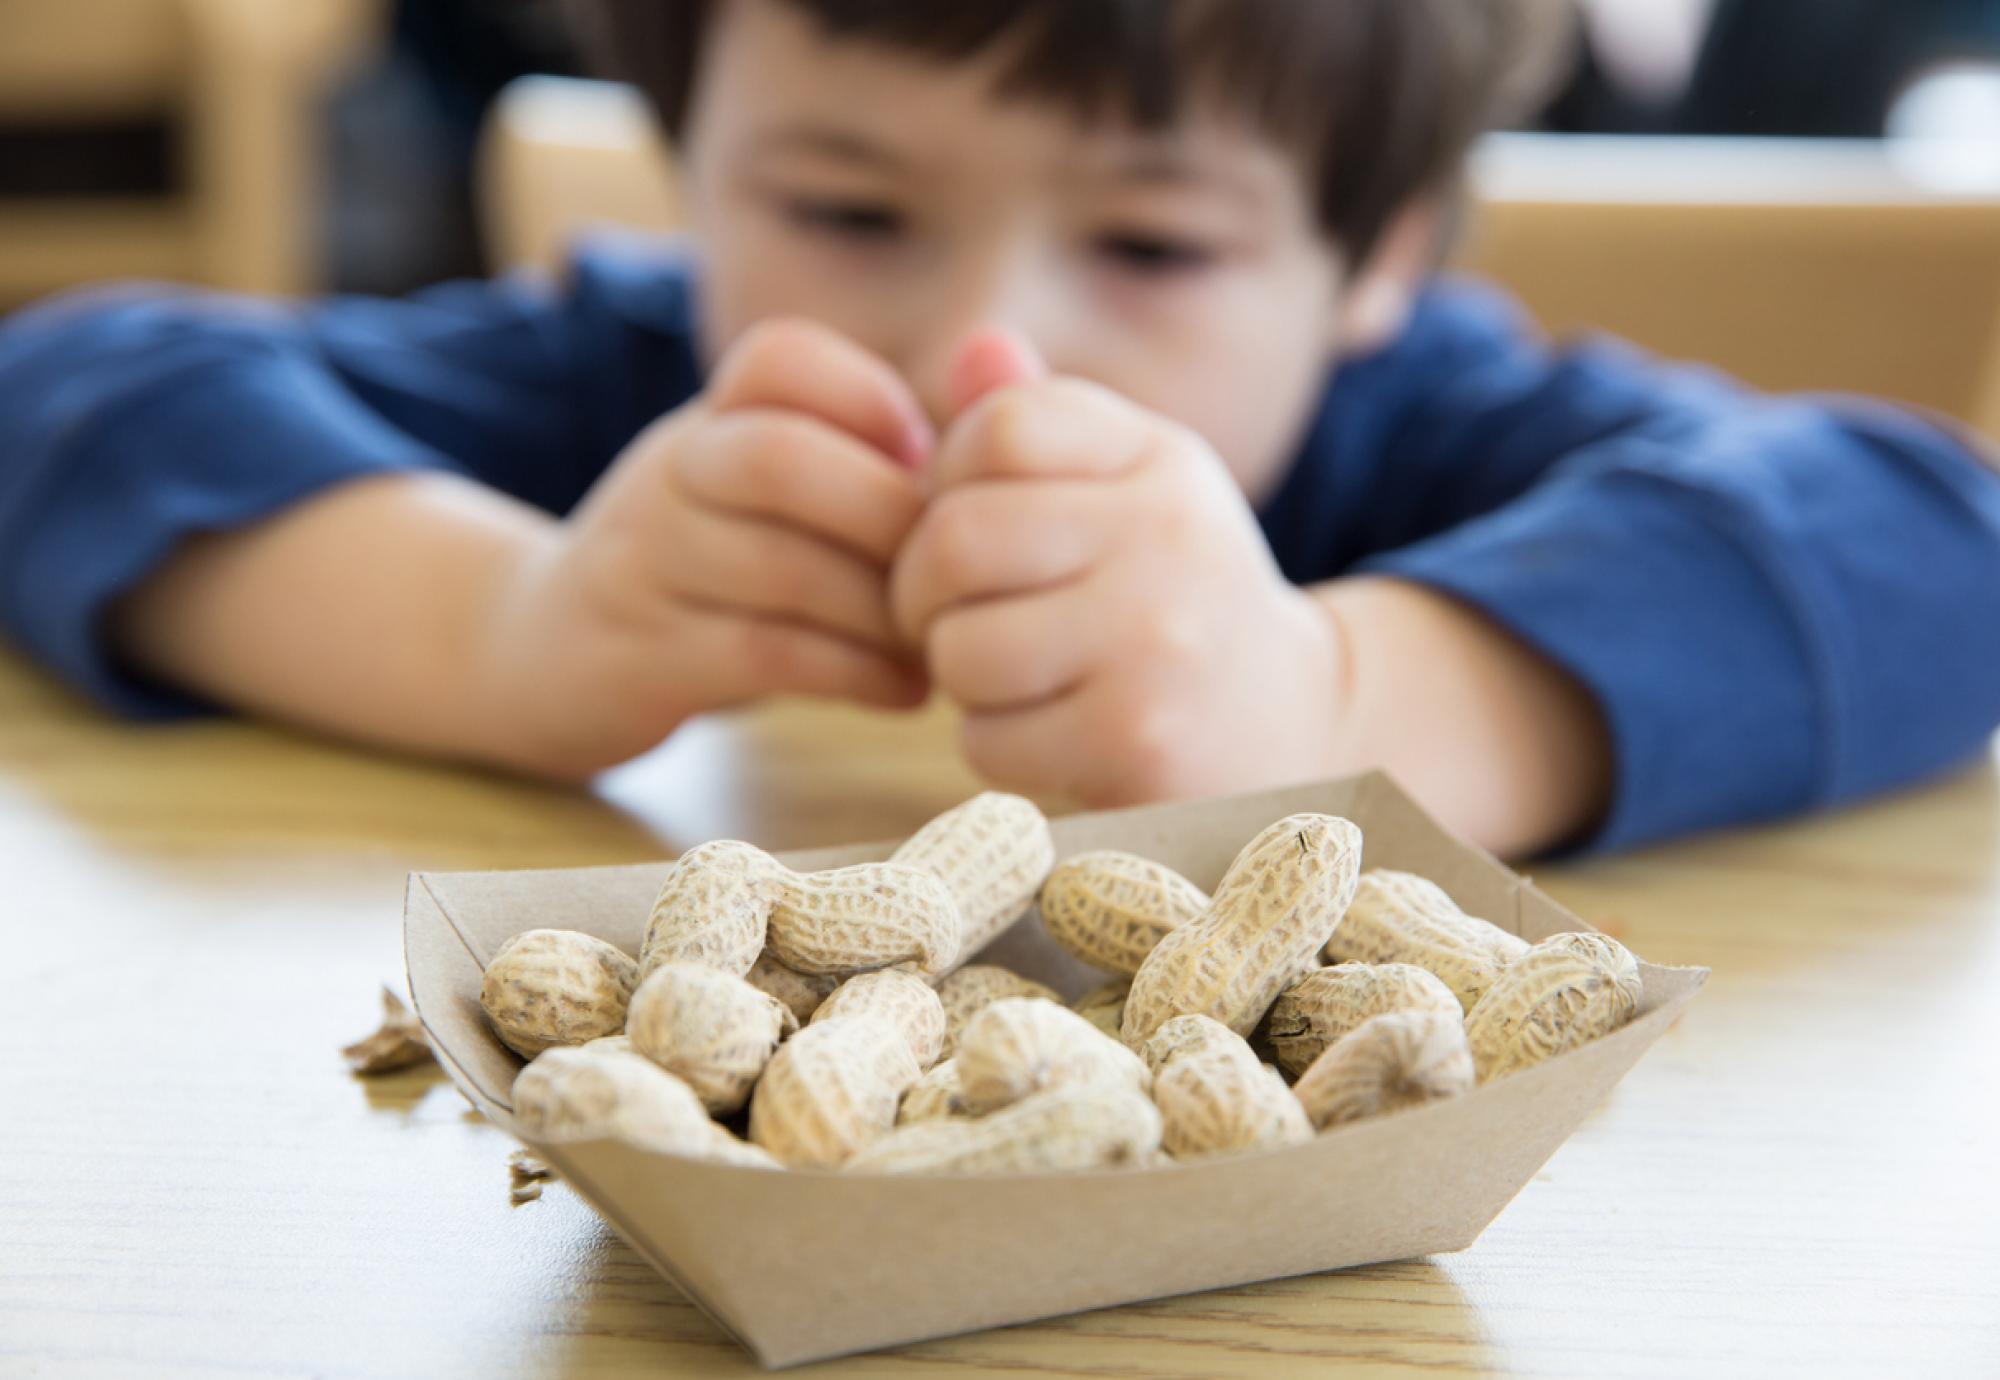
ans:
x=1090 y=1126
x=711 y=1029
x=991 y=852
x=1275 y=908
x=1019 y=1046
x=907 y=1000
x=1386 y=1063
x=1563 y=992
x=1110 y=909
x=1326 y=1003
x=556 y=987
x=1399 y=917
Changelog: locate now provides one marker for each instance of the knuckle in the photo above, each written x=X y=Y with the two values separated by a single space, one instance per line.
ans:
x=769 y=344
x=952 y=543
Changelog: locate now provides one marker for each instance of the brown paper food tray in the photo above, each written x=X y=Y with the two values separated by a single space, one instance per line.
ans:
x=800 y=1266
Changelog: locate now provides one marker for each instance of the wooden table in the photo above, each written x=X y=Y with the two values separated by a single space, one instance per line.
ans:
x=1799 y=1180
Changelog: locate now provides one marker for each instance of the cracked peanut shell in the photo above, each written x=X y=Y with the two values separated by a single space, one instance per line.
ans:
x=1326 y=1003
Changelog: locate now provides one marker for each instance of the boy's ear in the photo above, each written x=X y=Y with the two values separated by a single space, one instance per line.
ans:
x=1375 y=304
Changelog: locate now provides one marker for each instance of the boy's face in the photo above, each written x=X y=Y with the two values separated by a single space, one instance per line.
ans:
x=896 y=200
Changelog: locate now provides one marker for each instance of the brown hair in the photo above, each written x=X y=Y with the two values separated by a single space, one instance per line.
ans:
x=1379 y=99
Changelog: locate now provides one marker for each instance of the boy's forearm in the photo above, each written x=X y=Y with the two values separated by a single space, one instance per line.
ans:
x=361 y=612
x=1501 y=743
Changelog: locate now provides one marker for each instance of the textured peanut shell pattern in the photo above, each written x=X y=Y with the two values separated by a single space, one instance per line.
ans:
x=1275 y=908
x=831 y=1089
x=1020 y=1046
x=712 y=908
x=977 y=986
x=860 y=918
x=935 y=1095
x=1219 y=1099
x=1094 y=1126
x=1326 y=1003
x=991 y=852
x=1192 y=1035
x=1104 y=1005
x=711 y=1029
x=1563 y=992
x=556 y=987
x=1399 y=917
x=907 y=1000
x=1109 y=908
x=602 y=1093
x=1386 y=1063
x=800 y=992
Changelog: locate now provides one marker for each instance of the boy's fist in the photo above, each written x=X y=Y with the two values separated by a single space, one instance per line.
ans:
x=738 y=547
x=1091 y=587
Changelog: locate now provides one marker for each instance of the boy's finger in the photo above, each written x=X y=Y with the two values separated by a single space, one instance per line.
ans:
x=750 y=657
x=756 y=567
x=792 y=469
x=1049 y=428
x=993 y=358
x=987 y=540
x=1077 y=744
x=1013 y=653
x=803 y=366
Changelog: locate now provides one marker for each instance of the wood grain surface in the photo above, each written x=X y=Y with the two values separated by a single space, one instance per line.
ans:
x=1799 y=1180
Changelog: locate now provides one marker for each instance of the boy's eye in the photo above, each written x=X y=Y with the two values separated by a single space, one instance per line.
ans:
x=1154 y=254
x=861 y=220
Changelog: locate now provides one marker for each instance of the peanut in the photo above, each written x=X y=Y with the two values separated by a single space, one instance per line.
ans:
x=991 y=852
x=1110 y=908
x=1104 y=1005
x=976 y=986
x=1563 y=992
x=1326 y=1003
x=1019 y=1046
x=800 y=992
x=1216 y=1097
x=831 y=1089
x=602 y=1093
x=935 y=1095
x=1091 y=1126
x=1398 y=917
x=908 y=1001
x=556 y=987
x=713 y=908
x=1386 y=1063
x=711 y=1029
x=1276 y=907
x=1189 y=1035
x=859 y=918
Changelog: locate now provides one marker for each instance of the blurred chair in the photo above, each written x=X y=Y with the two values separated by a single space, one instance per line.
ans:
x=1803 y=264
x=244 y=82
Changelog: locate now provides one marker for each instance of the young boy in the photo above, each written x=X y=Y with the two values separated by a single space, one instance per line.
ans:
x=1003 y=365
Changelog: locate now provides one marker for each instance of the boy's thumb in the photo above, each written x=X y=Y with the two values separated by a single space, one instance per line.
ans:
x=991 y=357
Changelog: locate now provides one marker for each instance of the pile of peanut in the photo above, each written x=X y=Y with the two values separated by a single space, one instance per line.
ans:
x=829 y=1020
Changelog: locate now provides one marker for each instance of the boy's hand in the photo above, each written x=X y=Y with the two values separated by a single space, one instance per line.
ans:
x=1090 y=585
x=738 y=547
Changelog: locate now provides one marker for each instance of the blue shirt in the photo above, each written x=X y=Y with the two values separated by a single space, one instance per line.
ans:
x=1779 y=603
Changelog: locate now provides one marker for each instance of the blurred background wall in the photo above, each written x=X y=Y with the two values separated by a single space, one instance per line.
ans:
x=294 y=146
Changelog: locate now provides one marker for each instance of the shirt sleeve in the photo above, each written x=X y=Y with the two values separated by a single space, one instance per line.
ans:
x=1778 y=603
x=134 y=417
